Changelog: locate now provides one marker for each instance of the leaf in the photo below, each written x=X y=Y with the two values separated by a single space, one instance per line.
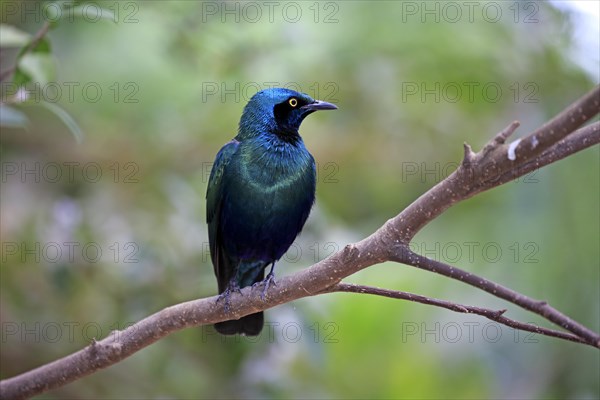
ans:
x=13 y=37
x=42 y=46
x=92 y=12
x=21 y=78
x=40 y=67
x=66 y=119
x=11 y=117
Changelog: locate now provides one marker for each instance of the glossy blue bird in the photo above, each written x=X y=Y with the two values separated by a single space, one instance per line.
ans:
x=260 y=192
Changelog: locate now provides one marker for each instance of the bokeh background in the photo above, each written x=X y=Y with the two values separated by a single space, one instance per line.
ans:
x=98 y=234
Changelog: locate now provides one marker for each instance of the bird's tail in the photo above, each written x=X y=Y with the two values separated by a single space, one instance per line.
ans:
x=250 y=325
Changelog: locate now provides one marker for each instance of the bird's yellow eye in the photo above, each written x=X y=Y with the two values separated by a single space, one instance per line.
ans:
x=293 y=102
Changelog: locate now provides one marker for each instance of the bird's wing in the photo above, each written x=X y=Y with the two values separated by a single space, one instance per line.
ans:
x=214 y=200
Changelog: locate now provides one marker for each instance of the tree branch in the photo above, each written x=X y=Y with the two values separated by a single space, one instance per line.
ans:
x=494 y=315
x=37 y=38
x=579 y=140
x=494 y=161
x=542 y=308
x=491 y=167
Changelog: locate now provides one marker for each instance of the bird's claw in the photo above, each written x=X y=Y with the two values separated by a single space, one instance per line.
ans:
x=268 y=280
x=227 y=294
x=225 y=297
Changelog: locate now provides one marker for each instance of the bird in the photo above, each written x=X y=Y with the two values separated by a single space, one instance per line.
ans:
x=260 y=192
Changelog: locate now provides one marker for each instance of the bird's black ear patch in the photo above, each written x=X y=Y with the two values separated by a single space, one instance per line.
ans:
x=287 y=120
x=283 y=109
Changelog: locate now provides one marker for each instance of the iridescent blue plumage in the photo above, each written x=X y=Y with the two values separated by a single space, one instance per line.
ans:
x=261 y=190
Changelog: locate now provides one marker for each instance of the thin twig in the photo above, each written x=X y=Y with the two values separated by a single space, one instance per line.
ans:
x=579 y=140
x=490 y=164
x=37 y=38
x=542 y=308
x=494 y=315
x=501 y=136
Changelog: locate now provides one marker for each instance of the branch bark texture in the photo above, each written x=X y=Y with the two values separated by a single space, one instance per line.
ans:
x=497 y=163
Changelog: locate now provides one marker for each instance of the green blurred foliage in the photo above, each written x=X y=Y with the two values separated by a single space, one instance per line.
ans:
x=157 y=94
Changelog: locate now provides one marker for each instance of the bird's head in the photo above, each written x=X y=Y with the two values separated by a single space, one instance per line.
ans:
x=278 y=111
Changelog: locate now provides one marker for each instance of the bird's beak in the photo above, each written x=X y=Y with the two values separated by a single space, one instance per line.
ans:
x=320 y=105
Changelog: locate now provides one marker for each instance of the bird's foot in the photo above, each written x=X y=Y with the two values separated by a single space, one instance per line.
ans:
x=268 y=280
x=225 y=296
